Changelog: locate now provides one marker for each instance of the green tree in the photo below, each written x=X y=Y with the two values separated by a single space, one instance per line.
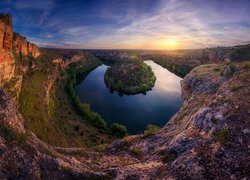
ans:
x=120 y=86
x=119 y=130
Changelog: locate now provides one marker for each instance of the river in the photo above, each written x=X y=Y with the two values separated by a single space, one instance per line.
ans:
x=156 y=106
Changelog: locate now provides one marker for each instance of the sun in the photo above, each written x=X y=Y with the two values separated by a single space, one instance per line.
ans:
x=171 y=42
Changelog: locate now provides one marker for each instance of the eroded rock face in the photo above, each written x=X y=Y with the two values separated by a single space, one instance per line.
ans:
x=23 y=47
x=6 y=36
x=33 y=50
x=20 y=44
x=12 y=43
x=7 y=66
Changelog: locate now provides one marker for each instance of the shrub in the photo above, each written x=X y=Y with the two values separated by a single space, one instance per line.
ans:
x=120 y=86
x=100 y=147
x=136 y=152
x=12 y=135
x=246 y=66
x=222 y=136
x=150 y=130
x=217 y=69
x=119 y=130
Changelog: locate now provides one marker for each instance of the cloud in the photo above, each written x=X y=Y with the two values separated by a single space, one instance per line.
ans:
x=133 y=24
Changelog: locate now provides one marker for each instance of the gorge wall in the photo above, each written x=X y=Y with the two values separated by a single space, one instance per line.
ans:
x=12 y=44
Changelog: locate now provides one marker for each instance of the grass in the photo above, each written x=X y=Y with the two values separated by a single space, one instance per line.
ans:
x=54 y=120
x=51 y=153
x=12 y=135
x=100 y=147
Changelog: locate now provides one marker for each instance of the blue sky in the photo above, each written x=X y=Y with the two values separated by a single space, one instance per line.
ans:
x=139 y=24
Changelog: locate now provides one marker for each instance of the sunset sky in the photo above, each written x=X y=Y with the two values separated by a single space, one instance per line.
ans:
x=128 y=24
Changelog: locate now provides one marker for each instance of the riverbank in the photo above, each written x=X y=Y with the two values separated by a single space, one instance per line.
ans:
x=47 y=108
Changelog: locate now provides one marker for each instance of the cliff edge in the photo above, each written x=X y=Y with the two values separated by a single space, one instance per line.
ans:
x=12 y=46
x=209 y=137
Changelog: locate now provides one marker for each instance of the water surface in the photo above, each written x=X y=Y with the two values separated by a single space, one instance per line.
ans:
x=157 y=106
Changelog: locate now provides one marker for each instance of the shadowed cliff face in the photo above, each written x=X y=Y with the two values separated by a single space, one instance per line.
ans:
x=10 y=43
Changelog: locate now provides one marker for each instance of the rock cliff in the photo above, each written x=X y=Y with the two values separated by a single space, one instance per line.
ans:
x=7 y=65
x=23 y=47
x=209 y=137
x=12 y=47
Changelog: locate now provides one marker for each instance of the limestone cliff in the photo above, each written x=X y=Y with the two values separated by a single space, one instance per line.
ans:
x=23 y=47
x=6 y=33
x=20 y=44
x=12 y=47
x=7 y=63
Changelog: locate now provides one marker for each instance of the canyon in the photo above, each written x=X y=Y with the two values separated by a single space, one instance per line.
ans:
x=208 y=137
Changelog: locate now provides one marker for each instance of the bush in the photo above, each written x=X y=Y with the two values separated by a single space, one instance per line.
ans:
x=120 y=86
x=217 y=69
x=246 y=66
x=222 y=136
x=119 y=130
x=150 y=130
x=136 y=152
x=12 y=135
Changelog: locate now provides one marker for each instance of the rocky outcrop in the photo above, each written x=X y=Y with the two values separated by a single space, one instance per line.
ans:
x=24 y=156
x=209 y=138
x=6 y=33
x=20 y=44
x=7 y=64
x=23 y=47
x=10 y=44
x=33 y=50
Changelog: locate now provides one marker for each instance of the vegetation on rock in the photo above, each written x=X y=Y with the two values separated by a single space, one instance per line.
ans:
x=151 y=130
